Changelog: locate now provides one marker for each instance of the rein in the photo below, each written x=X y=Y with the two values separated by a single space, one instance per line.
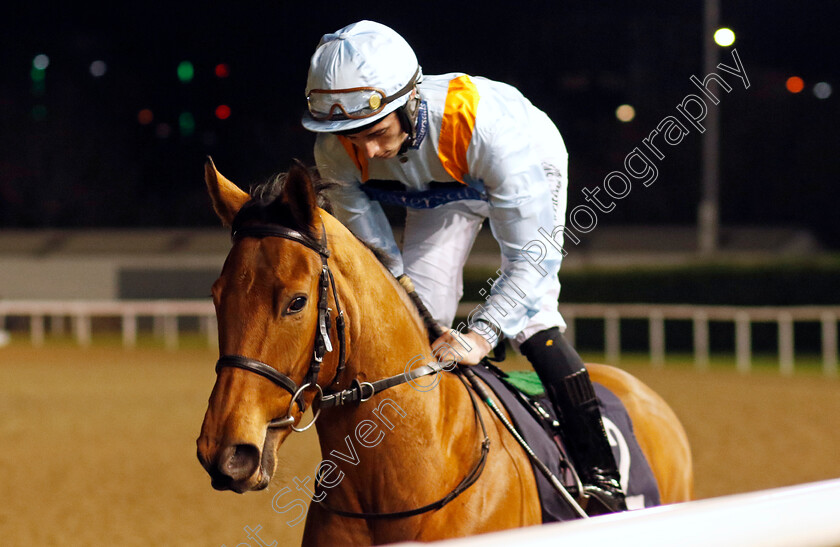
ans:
x=359 y=391
x=468 y=480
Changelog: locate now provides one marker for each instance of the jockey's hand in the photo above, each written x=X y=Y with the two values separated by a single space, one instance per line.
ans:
x=467 y=348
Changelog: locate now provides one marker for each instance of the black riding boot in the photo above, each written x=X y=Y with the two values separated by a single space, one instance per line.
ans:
x=567 y=384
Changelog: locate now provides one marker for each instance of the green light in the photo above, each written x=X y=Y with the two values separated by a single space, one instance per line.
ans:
x=186 y=122
x=185 y=71
x=39 y=83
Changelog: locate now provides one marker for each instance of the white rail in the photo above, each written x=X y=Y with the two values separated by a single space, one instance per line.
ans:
x=795 y=516
x=741 y=317
x=167 y=312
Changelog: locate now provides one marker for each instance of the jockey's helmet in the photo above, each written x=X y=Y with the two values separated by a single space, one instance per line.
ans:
x=357 y=75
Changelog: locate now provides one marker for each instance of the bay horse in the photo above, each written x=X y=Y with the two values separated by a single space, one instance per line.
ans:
x=296 y=284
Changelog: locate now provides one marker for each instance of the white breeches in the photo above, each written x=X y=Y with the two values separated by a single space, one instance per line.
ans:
x=436 y=244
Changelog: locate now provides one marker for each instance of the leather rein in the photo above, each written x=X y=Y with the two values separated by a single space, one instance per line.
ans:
x=323 y=345
x=359 y=391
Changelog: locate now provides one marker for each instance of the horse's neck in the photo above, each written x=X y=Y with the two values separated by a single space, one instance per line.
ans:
x=388 y=447
x=385 y=335
x=385 y=330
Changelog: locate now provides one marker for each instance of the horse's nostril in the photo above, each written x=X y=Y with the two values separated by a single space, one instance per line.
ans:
x=240 y=461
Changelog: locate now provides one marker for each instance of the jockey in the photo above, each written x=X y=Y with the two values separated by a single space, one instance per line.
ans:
x=456 y=150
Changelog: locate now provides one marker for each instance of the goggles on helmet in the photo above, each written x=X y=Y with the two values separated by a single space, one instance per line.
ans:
x=353 y=103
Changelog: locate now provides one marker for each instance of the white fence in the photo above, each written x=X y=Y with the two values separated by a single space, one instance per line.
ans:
x=795 y=516
x=742 y=317
x=166 y=313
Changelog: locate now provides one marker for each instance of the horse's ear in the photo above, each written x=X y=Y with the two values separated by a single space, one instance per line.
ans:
x=299 y=193
x=227 y=198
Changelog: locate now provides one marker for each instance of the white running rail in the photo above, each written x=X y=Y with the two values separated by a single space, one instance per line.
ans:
x=795 y=516
x=742 y=319
x=167 y=312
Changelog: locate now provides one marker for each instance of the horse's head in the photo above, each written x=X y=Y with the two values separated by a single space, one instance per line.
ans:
x=271 y=334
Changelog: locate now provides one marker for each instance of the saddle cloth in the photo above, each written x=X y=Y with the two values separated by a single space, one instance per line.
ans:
x=636 y=476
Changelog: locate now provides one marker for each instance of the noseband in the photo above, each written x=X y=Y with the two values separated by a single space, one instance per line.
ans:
x=359 y=391
x=323 y=345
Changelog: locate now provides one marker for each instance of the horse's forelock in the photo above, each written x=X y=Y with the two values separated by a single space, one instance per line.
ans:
x=267 y=204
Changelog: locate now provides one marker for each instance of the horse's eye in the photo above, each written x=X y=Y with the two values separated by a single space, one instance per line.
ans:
x=297 y=304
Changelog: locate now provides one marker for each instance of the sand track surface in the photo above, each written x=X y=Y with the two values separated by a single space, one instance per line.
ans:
x=97 y=446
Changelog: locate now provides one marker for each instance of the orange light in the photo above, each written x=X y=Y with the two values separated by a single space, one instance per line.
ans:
x=795 y=84
x=625 y=113
x=223 y=112
x=222 y=70
x=145 y=116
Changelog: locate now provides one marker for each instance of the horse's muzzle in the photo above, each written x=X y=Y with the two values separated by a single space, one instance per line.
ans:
x=234 y=468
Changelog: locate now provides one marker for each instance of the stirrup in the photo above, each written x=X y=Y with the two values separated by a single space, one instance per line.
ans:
x=607 y=492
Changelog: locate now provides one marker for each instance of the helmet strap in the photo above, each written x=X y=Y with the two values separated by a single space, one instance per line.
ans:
x=407 y=114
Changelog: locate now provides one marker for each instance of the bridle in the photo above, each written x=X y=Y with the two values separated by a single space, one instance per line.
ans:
x=323 y=345
x=359 y=391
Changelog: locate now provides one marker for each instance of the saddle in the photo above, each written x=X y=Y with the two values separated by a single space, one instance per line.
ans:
x=533 y=415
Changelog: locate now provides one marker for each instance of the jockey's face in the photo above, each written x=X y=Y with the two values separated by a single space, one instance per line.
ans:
x=382 y=140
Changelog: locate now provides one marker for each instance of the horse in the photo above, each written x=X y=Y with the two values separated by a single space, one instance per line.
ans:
x=419 y=461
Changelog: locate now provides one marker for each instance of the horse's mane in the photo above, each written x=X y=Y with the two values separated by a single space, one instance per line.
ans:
x=265 y=207
x=267 y=192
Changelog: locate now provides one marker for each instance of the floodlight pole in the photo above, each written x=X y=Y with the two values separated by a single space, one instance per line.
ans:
x=708 y=217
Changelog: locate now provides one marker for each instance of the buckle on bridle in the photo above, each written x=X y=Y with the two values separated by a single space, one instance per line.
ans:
x=289 y=420
x=359 y=387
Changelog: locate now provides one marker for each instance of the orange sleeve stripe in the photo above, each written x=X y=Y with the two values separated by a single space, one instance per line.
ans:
x=358 y=158
x=457 y=126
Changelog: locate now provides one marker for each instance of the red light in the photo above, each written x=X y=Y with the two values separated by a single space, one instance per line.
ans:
x=223 y=112
x=145 y=116
x=795 y=84
x=222 y=70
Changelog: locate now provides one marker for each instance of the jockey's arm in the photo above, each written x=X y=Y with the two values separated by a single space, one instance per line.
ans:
x=502 y=156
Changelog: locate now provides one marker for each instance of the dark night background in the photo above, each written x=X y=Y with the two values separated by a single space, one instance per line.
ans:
x=73 y=153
